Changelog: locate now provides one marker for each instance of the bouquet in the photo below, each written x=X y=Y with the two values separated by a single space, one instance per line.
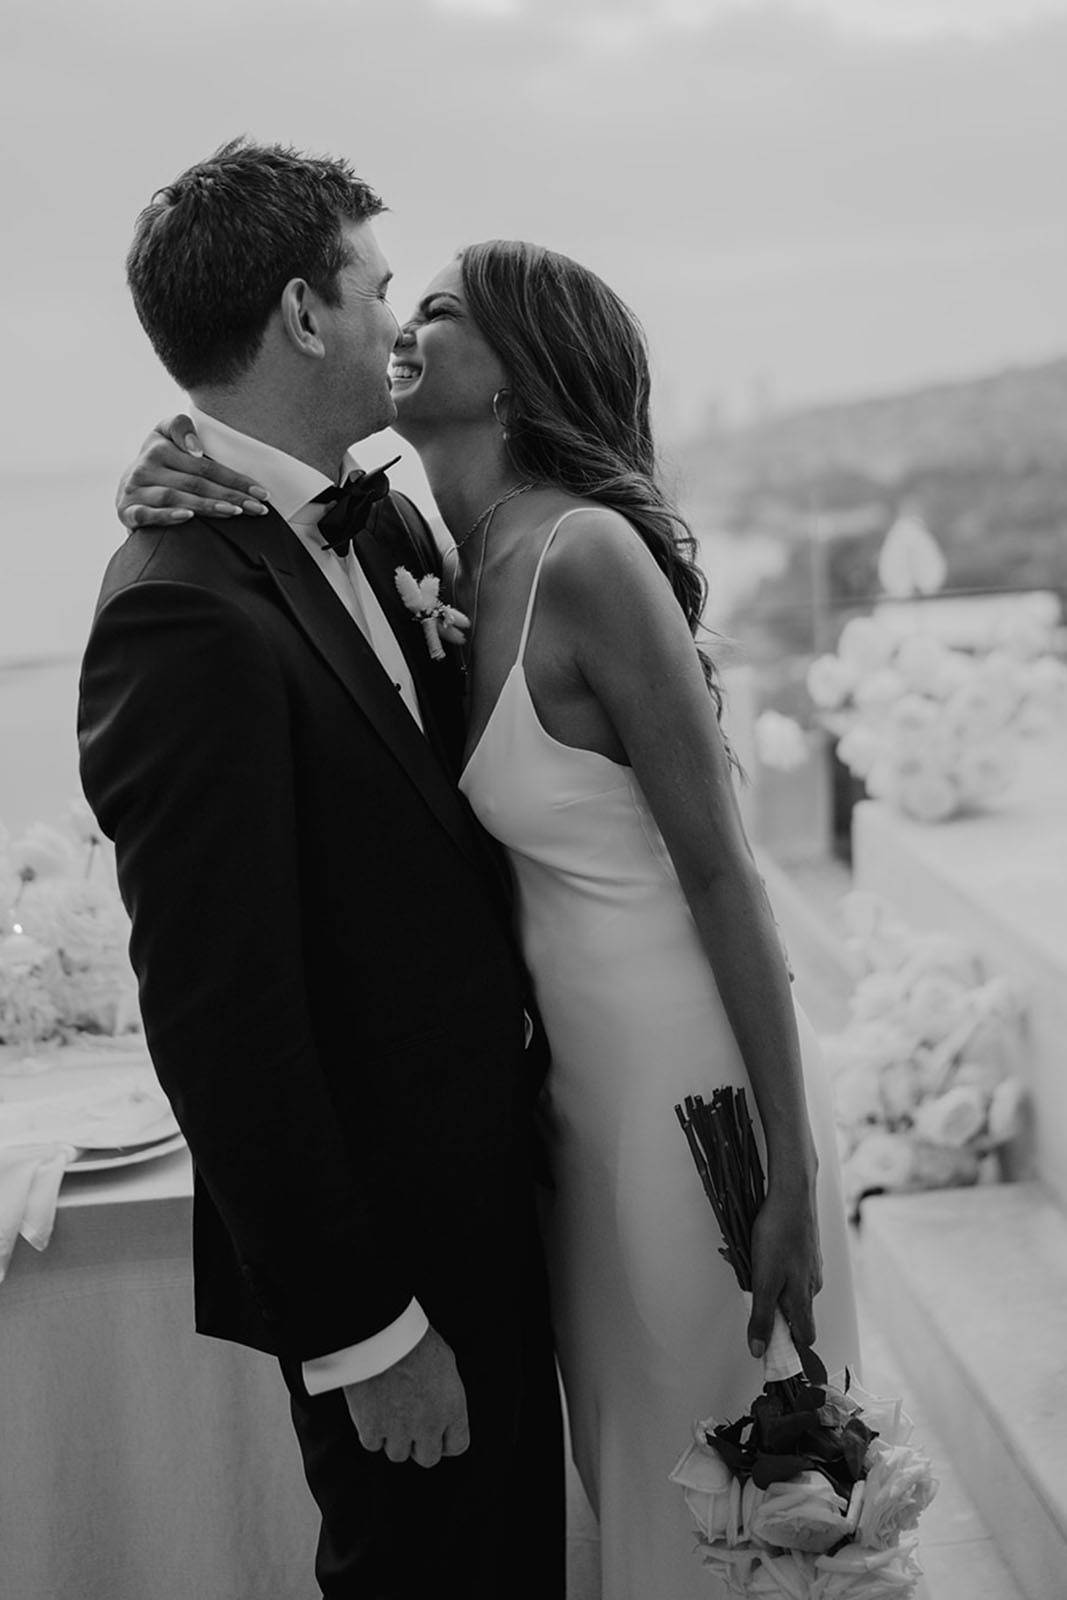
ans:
x=925 y=1071
x=932 y=730
x=813 y=1494
x=64 y=936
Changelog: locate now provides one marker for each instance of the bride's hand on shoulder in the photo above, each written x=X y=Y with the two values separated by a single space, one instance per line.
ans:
x=172 y=480
x=786 y=1266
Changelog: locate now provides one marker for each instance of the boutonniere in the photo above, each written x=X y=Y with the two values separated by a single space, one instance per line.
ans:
x=422 y=596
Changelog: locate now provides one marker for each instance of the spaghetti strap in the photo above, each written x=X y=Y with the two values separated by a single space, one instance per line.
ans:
x=537 y=578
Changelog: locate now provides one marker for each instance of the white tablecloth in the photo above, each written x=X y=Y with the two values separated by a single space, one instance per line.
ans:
x=138 y=1460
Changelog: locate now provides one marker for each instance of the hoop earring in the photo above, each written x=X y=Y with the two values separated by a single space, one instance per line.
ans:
x=495 y=402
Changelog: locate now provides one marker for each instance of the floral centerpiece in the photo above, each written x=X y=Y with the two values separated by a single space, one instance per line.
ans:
x=815 y=1493
x=930 y=729
x=64 y=936
x=925 y=1072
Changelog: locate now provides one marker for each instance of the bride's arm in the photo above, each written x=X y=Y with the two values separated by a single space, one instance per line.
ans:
x=630 y=642
x=172 y=480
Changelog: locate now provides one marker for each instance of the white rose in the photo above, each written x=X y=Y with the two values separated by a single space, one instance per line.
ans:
x=879 y=689
x=876 y=995
x=879 y=1161
x=992 y=1049
x=1005 y=673
x=983 y=1076
x=856 y=1095
x=899 y=1088
x=1001 y=998
x=762 y=1575
x=830 y=681
x=979 y=710
x=858 y=749
x=1006 y=1111
x=936 y=1005
x=878 y=1043
x=920 y=659
x=981 y=772
x=780 y=742
x=928 y=796
x=951 y=1118
x=911 y=719
x=937 y=1166
x=806 y=1513
x=866 y=644
x=884 y=1415
x=898 y=1488
x=858 y=1574
x=709 y=1485
x=875 y=938
x=884 y=952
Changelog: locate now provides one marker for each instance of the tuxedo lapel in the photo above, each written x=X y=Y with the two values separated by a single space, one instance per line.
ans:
x=389 y=541
x=384 y=545
x=271 y=544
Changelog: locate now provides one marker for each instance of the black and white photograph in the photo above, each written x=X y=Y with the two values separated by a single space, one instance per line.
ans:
x=533 y=800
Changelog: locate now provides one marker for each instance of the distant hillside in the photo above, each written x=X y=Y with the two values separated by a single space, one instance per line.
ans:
x=983 y=461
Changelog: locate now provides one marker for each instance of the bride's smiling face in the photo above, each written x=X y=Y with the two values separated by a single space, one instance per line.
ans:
x=444 y=371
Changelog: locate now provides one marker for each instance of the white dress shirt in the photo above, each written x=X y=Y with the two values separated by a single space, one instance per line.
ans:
x=292 y=486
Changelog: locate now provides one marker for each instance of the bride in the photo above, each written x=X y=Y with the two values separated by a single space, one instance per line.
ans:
x=596 y=757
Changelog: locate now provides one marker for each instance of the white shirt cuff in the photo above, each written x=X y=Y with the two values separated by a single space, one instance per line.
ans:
x=370 y=1356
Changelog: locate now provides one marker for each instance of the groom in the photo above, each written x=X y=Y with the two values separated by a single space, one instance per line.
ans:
x=330 y=989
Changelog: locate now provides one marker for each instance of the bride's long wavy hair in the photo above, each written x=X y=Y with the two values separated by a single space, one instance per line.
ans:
x=577 y=401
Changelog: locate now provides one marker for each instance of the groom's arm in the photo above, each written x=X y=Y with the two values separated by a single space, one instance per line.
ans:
x=186 y=760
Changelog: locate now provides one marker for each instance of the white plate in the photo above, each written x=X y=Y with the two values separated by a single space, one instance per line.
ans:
x=110 y=1114
x=127 y=1158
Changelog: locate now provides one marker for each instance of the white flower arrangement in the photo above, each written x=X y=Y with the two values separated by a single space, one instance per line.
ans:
x=64 y=936
x=781 y=743
x=925 y=1072
x=422 y=596
x=815 y=1492
x=803 y=1536
x=930 y=729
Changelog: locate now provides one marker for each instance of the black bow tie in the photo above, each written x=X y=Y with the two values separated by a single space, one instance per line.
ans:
x=350 y=505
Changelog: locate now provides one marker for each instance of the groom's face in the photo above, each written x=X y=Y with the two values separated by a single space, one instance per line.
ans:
x=361 y=331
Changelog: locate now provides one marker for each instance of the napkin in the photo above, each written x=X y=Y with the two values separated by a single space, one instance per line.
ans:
x=30 y=1176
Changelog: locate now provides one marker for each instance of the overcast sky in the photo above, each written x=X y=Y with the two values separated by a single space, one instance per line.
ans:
x=799 y=201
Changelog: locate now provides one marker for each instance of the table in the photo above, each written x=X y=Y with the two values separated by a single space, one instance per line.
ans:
x=138 y=1460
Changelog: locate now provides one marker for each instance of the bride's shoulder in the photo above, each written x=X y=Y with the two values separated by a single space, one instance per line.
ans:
x=595 y=548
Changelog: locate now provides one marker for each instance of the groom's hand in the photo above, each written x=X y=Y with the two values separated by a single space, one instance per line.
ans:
x=416 y=1409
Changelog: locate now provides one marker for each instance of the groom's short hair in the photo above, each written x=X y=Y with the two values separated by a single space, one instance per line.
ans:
x=213 y=251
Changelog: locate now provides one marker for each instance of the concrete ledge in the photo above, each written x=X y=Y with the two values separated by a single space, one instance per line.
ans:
x=969 y=1287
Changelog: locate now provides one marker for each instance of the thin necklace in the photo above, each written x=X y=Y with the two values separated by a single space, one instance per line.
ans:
x=520 y=488
x=487 y=517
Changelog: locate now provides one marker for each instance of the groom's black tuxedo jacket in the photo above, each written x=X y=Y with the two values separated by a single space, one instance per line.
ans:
x=331 y=993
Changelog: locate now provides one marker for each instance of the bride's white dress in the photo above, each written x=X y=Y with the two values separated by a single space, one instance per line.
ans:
x=649 y=1320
